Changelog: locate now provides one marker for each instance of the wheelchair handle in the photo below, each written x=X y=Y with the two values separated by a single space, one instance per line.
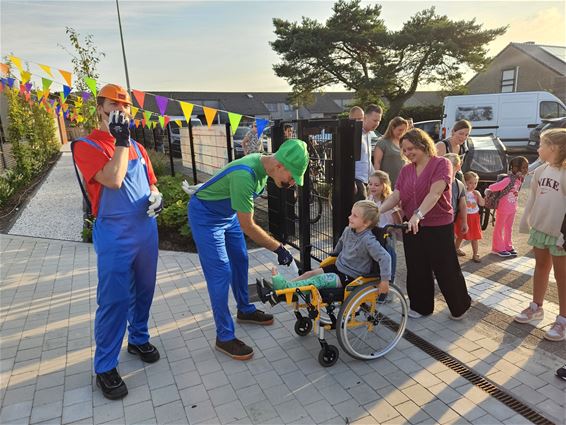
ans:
x=402 y=226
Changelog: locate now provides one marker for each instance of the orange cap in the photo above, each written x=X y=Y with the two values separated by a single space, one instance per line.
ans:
x=115 y=92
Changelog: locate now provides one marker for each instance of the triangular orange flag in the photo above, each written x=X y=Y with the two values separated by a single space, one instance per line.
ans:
x=209 y=114
x=67 y=76
x=140 y=97
x=137 y=123
x=4 y=69
x=46 y=69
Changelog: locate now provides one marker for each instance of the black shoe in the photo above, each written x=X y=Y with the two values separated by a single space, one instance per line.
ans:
x=235 y=348
x=258 y=317
x=111 y=384
x=561 y=373
x=147 y=352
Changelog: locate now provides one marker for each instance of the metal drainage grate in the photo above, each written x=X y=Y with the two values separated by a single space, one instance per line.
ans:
x=478 y=380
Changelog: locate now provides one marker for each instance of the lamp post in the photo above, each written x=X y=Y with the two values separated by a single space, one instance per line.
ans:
x=123 y=49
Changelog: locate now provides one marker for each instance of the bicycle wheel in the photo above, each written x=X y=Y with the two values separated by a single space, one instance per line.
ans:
x=315 y=206
x=369 y=328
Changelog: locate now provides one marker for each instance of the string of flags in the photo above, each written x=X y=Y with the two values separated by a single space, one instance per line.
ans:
x=70 y=103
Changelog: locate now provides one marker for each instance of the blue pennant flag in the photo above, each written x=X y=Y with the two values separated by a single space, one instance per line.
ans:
x=66 y=91
x=261 y=124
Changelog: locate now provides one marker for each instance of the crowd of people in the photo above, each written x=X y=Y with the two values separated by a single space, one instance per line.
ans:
x=405 y=178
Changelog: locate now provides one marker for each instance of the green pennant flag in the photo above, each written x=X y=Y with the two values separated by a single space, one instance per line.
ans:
x=91 y=83
x=147 y=115
x=92 y=109
x=234 y=121
x=161 y=121
x=46 y=84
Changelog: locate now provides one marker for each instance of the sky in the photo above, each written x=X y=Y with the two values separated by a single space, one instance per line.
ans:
x=223 y=45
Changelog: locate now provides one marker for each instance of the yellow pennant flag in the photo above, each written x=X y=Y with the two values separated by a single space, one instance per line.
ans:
x=39 y=95
x=25 y=76
x=17 y=62
x=187 y=110
x=179 y=123
x=67 y=76
x=134 y=111
x=46 y=69
x=209 y=114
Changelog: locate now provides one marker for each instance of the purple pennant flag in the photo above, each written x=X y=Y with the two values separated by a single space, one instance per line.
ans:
x=58 y=109
x=52 y=101
x=66 y=91
x=161 y=104
x=28 y=87
x=66 y=114
x=85 y=95
x=261 y=124
x=11 y=82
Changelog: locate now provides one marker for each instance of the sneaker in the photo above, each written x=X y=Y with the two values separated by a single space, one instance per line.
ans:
x=147 y=352
x=512 y=252
x=258 y=317
x=111 y=385
x=413 y=314
x=265 y=292
x=530 y=314
x=235 y=348
x=558 y=330
x=460 y=317
x=383 y=298
x=503 y=254
x=561 y=373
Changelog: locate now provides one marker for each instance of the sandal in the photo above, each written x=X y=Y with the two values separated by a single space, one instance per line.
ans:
x=476 y=259
x=460 y=253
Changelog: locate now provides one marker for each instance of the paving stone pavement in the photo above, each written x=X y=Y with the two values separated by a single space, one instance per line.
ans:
x=47 y=305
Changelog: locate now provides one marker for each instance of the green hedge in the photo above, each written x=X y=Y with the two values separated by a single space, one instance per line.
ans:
x=32 y=133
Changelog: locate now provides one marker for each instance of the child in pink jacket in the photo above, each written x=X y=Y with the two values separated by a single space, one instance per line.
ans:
x=507 y=208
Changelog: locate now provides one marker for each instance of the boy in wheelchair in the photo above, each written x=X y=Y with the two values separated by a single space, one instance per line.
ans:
x=357 y=249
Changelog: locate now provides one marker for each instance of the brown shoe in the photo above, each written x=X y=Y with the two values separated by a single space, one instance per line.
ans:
x=258 y=317
x=235 y=348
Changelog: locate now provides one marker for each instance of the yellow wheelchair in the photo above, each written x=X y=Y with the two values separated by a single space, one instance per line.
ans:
x=368 y=323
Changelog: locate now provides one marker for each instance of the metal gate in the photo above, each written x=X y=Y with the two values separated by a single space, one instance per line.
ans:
x=312 y=217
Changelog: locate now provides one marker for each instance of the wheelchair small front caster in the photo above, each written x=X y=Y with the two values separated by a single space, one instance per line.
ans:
x=303 y=326
x=328 y=356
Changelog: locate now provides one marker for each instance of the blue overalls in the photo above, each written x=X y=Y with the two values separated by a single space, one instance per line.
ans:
x=222 y=252
x=126 y=243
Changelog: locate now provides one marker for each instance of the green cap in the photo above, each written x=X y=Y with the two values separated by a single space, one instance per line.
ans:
x=294 y=156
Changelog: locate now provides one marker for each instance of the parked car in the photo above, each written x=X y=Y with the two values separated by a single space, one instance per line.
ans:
x=509 y=116
x=534 y=137
x=431 y=127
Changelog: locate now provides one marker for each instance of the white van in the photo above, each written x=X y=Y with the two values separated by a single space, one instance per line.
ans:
x=509 y=116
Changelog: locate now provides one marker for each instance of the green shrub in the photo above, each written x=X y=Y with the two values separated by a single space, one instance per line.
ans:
x=174 y=214
x=160 y=163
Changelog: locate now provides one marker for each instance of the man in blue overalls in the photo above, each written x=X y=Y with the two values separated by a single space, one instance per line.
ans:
x=124 y=199
x=220 y=212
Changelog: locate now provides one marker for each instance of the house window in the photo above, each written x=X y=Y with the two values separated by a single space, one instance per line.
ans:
x=509 y=80
x=287 y=108
x=271 y=107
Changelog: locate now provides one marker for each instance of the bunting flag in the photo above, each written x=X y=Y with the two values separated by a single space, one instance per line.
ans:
x=28 y=87
x=78 y=102
x=22 y=89
x=161 y=103
x=66 y=91
x=86 y=95
x=166 y=120
x=10 y=81
x=46 y=69
x=261 y=124
x=46 y=83
x=179 y=123
x=161 y=121
x=134 y=111
x=143 y=122
x=140 y=97
x=209 y=114
x=17 y=61
x=4 y=69
x=25 y=76
x=187 y=109
x=147 y=115
x=67 y=76
x=234 y=121
x=137 y=123
x=91 y=83
x=39 y=95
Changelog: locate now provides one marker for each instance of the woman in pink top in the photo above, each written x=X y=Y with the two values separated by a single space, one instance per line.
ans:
x=507 y=207
x=424 y=191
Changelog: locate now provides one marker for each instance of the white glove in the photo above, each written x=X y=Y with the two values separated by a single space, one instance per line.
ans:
x=155 y=204
x=190 y=190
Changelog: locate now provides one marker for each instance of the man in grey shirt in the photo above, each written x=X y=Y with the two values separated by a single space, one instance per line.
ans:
x=364 y=167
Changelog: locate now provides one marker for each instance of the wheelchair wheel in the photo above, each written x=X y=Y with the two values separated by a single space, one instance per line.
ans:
x=369 y=328
x=328 y=356
x=303 y=326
